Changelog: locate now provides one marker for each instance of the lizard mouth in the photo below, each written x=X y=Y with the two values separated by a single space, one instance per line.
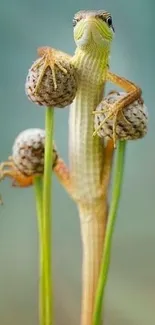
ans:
x=92 y=32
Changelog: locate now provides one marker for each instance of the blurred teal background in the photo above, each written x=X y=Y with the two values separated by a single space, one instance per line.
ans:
x=130 y=294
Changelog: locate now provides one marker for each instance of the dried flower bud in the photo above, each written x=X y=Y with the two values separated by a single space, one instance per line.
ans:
x=52 y=79
x=28 y=152
x=131 y=123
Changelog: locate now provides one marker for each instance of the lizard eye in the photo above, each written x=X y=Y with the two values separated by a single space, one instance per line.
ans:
x=74 y=22
x=109 y=22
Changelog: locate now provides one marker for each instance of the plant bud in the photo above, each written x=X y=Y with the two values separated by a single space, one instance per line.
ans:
x=131 y=122
x=52 y=79
x=28 y=152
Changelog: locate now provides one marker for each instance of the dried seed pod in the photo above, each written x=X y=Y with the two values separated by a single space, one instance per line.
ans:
x=52 y=79
x=28 y=152
x=131 y=122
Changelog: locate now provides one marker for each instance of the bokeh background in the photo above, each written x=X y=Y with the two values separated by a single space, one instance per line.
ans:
x=130 y=294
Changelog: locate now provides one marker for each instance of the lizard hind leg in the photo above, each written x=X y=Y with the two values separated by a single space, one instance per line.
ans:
x=8 y=169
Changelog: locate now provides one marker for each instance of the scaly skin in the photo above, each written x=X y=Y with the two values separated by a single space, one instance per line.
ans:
x=90 y=161
x=89 y=164
x=86 y=154
x=86 y=158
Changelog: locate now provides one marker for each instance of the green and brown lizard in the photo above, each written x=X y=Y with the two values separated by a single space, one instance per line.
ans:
x=90 y=161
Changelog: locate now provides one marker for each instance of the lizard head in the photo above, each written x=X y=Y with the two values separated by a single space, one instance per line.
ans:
x=93 y=28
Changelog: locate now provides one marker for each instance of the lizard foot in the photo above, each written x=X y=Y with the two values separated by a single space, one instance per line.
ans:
x=48 y=59
x=111 y=111
x=8 y=169
x=113 y=114
x=114 y=119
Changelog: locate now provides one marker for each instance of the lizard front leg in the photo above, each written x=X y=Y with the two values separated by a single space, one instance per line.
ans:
x=133 y=92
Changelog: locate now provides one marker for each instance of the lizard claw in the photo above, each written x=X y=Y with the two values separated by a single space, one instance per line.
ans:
x=48 y=59
x=8 y=169
x=1 y=201
x=110 y=111
x=3 y=174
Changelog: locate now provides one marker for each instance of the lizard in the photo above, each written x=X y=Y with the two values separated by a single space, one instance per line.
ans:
x=87 y=179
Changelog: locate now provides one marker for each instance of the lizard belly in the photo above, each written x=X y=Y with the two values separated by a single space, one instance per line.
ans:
x=86 y=153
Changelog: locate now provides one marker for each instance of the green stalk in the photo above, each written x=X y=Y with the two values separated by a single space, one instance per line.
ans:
x=38 y=185
x=47 y=209
x=118 y=181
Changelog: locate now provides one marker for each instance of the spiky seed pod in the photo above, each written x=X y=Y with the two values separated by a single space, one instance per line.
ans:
x=52 y=79
x=132 y=124
x=28 y=152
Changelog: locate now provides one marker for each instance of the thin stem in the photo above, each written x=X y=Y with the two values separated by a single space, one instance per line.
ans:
x=47 y=208
x=118 y=180
x=38 y=185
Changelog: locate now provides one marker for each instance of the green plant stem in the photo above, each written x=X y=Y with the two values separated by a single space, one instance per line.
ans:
x=47 y=209
x=38 y=185
x=118 y=181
